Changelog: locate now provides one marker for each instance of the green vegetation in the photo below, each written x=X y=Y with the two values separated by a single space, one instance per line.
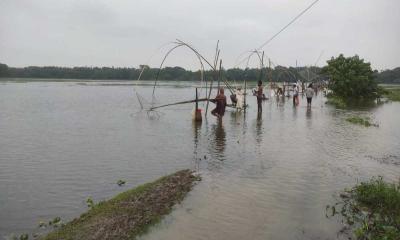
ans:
x=24 y=237
x=55 y=222
x=130 y=213
x=279 y=73
x=388 y=76
x=336 y=101
x=351 y=79
x=371 y=210
x=21 y=237
x=3 y=70
x=120 y=182
x=90 y=202
x=393 y=94
x=360 y=121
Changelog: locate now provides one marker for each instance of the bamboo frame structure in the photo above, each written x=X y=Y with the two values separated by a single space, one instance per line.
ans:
x=216 y=76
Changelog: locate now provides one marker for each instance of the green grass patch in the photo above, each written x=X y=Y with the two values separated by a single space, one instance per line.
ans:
x=336 y=101
x=348 y=103
x=360 y=121
x=393 y=94
x=371 y=210
x=130 y=213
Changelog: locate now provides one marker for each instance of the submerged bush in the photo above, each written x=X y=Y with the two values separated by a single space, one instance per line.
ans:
x=336 y=101
x=351 y=78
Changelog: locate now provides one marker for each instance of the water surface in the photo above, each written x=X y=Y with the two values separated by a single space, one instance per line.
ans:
x=265 y=176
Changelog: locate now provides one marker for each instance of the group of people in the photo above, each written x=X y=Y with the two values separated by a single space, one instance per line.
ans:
x=309 y=94
x=221 y=103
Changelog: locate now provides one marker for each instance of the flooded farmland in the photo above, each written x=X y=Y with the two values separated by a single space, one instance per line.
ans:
x=265 y=176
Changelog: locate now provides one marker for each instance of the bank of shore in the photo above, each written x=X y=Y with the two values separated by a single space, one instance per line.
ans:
x=130 y=213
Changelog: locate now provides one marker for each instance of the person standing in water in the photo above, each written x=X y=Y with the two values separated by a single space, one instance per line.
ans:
x=259 y=94
x=309 y=94
x=295 y=95
x=240 y=98
x=220 y=101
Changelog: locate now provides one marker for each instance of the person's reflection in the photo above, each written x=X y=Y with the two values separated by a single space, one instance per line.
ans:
x=259 y=123
x=280 y=101
x=196 y=125
x=196 y=133
x=220 y=140
x=308 y=113
x=236 y=119
x=294 y=111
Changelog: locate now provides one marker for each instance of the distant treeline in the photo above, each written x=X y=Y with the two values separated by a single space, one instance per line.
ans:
x=278 y=73
x=388 y=76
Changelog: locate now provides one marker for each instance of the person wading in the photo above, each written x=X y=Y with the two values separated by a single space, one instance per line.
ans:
x=220 y=101
x=295 y=95
x=309 y=94
x=259 y=94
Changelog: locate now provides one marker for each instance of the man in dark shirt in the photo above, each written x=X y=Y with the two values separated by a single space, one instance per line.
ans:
x=220 y=101
x=259 y=94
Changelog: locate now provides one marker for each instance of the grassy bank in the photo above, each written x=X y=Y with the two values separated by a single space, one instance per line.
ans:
x=372 y=210
x=130 y=213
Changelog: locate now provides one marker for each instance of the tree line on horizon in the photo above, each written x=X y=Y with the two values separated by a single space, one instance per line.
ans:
x=277 y=74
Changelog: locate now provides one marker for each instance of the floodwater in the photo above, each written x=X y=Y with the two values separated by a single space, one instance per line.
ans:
x=265 y=176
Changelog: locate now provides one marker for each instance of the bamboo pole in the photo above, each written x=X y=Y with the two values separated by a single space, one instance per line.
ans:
x=212 y=79
x=178 y=103
x=197 y=101
x=245 y=94
x=219 y=73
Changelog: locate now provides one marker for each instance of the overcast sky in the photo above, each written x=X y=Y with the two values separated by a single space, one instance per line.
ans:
x=129 y=32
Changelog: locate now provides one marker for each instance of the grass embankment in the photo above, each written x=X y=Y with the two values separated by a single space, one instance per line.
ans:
x=372 y=210
x=360 y=121
x=130 y=213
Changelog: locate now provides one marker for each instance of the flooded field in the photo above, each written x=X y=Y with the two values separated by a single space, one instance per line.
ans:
x=263 y=177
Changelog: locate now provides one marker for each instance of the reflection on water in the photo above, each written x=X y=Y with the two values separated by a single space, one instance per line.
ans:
x=266 y=176
x=308 y=113
x=219 y=141
x=196 y=134
x=259 y=130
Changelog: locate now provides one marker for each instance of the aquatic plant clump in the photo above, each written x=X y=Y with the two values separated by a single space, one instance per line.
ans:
x=336 y=101
x=130 y=213
x=371 y=210
x=121 y=182
x=360 y=121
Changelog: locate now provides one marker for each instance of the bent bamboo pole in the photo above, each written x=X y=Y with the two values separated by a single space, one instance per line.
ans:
x=184 y=102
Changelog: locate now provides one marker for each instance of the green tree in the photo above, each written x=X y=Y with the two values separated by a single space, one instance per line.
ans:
x=3 y=70
x=351 y=78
